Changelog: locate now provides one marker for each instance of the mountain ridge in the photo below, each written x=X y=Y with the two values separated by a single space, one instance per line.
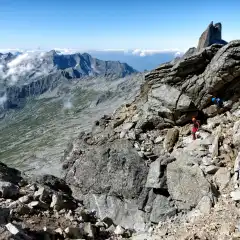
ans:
x=27 y=75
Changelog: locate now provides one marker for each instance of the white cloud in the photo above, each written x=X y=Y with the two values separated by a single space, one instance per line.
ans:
x=66 y=50
x=25 y=64
x=12 y=50
x=67 y=104
x=149 y=52
x=137 y=52
x=178 y=54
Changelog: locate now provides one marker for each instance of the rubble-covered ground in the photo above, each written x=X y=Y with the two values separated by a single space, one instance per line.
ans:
x=44 y=208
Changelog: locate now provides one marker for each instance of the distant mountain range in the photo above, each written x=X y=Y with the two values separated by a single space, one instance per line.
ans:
x=140 y=60
x=30 y=74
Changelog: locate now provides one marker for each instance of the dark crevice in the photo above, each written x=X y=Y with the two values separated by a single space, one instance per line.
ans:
x=148 y=126
x=161 y=191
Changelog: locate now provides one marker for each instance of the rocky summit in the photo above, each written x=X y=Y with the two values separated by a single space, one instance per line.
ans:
x=138 y=173
x=213 y=34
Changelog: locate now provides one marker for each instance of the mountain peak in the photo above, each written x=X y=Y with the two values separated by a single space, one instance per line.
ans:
x=213 y=34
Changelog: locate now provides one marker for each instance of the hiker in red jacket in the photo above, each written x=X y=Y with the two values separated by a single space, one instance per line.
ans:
x=195 y=127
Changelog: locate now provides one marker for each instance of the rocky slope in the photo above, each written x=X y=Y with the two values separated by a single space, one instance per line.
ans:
x=34 y=137
x=140 y=165
x=43 y=208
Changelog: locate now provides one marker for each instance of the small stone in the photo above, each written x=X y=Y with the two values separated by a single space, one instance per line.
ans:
x=147 y=153
x=101 y=224
x=39 y=192
x=127 y=233
x=127 y=126
x=13 y=204
x=57 y=202
x=111 y=229
x=235 y=195
x=211 y=169
x=12 y=229
x=89 y=230
x=159 y=139
x=59 y=230
x=205 y=205
x=73 y=232
x=148 y=208
x=24 y=199
x=206 y=161
x=222 y=177
x=214 y=148
x=86 y=216
x=69 y=215
x=119 y=230
x=140 y=153
x=38 y=204
x=33 y=204
x=48 y=230
x=137 y=146
x=132 y=135
x=33 y=187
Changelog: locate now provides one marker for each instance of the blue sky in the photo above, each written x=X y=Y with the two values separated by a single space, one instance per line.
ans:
x=113 y=24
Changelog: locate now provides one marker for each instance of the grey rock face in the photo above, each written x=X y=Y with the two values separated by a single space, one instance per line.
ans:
x=161 y=209
x=110 y=177
x=115 y=169
x=156 y=178
x=187 y=184
x=124 y=212
x=39 y=218
x=213 y=34
x=191 y=83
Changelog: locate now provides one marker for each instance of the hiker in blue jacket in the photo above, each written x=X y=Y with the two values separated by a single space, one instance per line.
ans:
x=218 y=102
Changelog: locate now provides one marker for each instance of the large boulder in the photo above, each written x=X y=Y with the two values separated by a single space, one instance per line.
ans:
x=110 y=177
x=187 y=184
x=114 y=168
x=8 y=174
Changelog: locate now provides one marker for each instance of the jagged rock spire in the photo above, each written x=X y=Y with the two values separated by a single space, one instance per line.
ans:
x=213 y=34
